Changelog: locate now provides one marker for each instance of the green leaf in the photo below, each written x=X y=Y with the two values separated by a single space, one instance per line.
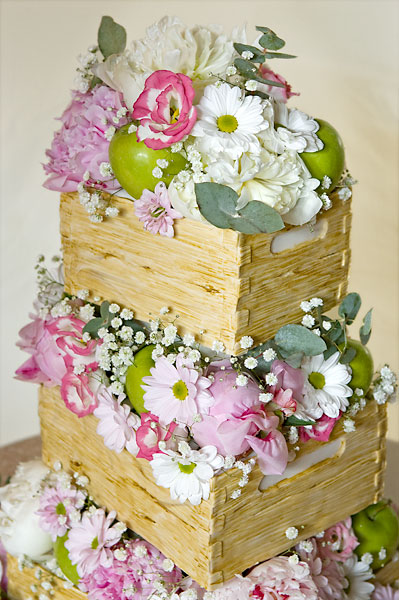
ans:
x=218 y=204
x=93 y=326
x=365 y=330
x=329 y=352
x=295 y=422
x=269 y=39
x=296 y=338
x=347 y=356
x=134 y=325
x=349 y=307
x=104 y=310
x=335 y=332
x=248 y=70
x=258 y=55
x=111 y=37
x=278 y=55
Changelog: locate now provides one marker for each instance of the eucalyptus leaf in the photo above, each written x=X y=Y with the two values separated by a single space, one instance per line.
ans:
x=248 y=70
x=329 y=352
x=104 y=309
x=365 y=330
x=218 y=204
x=269 y=39
x=258 y=55
x=293 y=421
x=93 y=326
x=294 y=360
x=111 y=37
x=134 y=325
x=270 y=55
x=297 y=338
x=349 y=307
x=347 y=356
x=335 y=332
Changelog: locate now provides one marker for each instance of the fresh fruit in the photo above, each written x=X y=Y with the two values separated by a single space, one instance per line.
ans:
x=64 y=562
x=377 y=527
x=330 y=160
x=132 y=162
x=362 y=366
x=140 y=368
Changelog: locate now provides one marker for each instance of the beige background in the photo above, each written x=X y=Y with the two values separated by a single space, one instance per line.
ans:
x=347 y=72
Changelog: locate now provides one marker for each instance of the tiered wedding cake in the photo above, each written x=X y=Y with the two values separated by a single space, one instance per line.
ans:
x=200 y=411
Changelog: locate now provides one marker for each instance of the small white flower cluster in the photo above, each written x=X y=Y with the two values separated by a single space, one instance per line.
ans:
x=344 y=193
x=308 y=305
x=291 y=533
x=327 y=204
x=50 y=282
x=245 y=467
x=384 y=389
x=85 y=76
x=96 y=204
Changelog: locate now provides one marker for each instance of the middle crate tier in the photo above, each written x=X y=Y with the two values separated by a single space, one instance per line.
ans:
x=224 y=536
x=220 y=282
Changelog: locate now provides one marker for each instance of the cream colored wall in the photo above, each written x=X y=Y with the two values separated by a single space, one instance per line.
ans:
x=347 y=72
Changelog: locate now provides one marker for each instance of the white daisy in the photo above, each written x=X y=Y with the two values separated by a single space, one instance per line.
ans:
x=187 y=472
x=228 y=121
x=325 y=390
x=356 y=574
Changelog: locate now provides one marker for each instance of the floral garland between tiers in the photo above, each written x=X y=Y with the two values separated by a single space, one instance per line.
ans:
x=192 y=411
x=66 y=532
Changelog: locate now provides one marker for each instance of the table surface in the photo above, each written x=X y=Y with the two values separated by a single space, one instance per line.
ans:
x=18 y=452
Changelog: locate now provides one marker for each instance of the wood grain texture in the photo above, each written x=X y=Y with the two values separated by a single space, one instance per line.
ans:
x=220 y=537
x=220 y=281
x=389 y=573
x=20 y=583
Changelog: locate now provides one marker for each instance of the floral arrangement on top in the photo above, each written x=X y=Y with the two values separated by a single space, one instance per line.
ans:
x=192 y=123
x=48 y=517
x=192 y=411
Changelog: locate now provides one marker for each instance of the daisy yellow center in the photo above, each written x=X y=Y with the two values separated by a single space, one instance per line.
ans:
x=180 y=390
x=317 y=380
x=227 y=123
x=94 y=543
x=187 y=469
x=157 y=212
x=174 y=114
x=60 y=509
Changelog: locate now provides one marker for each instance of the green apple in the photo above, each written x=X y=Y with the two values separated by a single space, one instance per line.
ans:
x=63 y=560
x=330 y=160
x=140 y=368
x=362 y=366
x=132 y=162
x=376 y=527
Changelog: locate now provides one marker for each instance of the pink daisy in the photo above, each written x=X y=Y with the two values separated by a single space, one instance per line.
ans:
x=155 y=211
x=117 y=423
x=89 y=541
x=57 y=507
x=176 y=392
x=385 y=592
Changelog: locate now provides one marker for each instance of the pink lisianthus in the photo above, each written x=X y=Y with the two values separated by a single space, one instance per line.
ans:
x=30 y=371
x=155 y=211
x=68 y=333
x=56 y=507
x=79 y=391
x=90 y=540
x=234 y=421
x=338 y=541
x=385 y=592
x=320 y=431
x=176 y=392
x=282 y=94
x=288 y=378
x=134 y=577
x=117 y=423
x=150 y=433
x=278 y=579
x=165 y=109
x=81 y=144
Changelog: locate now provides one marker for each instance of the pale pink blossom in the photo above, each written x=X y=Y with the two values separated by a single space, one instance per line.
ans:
x=90 y=541
x=320 y=431
x=338 y=541
x=238 y=588
x=117 y=423
x=79 y=390
x=236 y=418
x=165 y=109
x=176 y=392
x=327 y=574
x=284 y=399
x=288 y=378
x=56 y=507
x=385 y=592
x=282 y=94
x=155 y=211
x=150 y=433
x=279 y=579
x=81 y=144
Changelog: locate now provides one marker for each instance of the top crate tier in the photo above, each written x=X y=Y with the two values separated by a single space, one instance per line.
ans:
x=224 y=283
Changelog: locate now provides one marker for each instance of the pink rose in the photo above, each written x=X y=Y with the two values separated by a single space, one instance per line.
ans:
x=150 y=433
x=165 y=109
x=235 y=420
x=79 y=392
x=338 y=541
x=320 y=431
x=282 y=94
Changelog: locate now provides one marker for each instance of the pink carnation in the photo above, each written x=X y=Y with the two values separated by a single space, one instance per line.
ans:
x=150 y=433
x=385 y=592
x=80 y=145
x=327 y=574
x=234 y=421
x=117 y=423
x=338 y=541
x=282 y=94
x=165 y=109
x=155 y=211
x=56 y=507
x=133 y=578
x=320 y=431
x=278 y=579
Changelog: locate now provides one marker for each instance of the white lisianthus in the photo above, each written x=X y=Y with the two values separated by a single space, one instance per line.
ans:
x=228 y=122
x=298 y=131
x=19 y=524
x=187 y=473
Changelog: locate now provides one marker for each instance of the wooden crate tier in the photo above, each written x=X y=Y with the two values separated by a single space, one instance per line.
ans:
x=221 y=537
x=219 y=281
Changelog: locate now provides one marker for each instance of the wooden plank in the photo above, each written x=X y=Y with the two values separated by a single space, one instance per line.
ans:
x=220 y=537
x=389 y=573
x=219 y=281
